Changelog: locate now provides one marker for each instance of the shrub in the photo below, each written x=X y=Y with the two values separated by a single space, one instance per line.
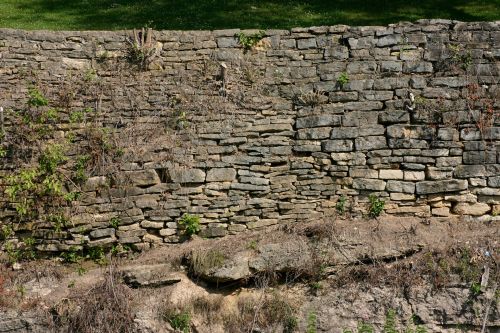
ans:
x=340 y=206
x=190 y=223
x=343 y=79
x=376 y=206
x=249 y=41
x=104 y=308
x=180 y=320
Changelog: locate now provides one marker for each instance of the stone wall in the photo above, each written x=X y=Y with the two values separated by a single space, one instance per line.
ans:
x=295 y=123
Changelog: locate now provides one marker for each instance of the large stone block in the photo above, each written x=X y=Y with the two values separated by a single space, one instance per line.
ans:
x=139 y=178
x=410 y=132
x=318 y=121
x=371 y=143
x=314 y=133
x=467 y=171
x=391 y=174
x=185 y=175
x=221 y=175
x=441 y=186
x=368 y=184
x=400 y=187
x=475 y=209
x=337 y=146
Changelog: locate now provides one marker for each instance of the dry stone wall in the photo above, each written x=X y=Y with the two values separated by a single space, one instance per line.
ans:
x=279 y=132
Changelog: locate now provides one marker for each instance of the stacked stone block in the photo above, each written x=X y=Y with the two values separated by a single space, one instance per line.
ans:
x=293 y=152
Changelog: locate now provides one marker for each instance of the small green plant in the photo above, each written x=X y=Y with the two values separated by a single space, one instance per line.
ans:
x=311 y=322
x=36 y=98
x=97 y=255
x=315 y=286
x=460 y=56
x=180 y=320
x=81 y=270
x=475 y=289
x=340 y=206
x=114 y=222
x=141 y=50
x=365 y=328
x=71 y=256
x=390 y=322
x=376 y=206
x=21 y=289
x=249 y=41
x=252 y=245
x=343 y=79
x=190 y=223
x=6 y=232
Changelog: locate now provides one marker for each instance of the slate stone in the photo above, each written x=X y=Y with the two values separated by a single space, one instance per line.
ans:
x=221 y=175
x=441 y=186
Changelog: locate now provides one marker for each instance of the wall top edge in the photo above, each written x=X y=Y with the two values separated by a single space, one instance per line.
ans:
x=340 y=28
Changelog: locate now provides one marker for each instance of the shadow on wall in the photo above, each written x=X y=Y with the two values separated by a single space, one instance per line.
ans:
x=213 y=14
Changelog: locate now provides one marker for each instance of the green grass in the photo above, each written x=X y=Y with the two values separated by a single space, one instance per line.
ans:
x=213 y=14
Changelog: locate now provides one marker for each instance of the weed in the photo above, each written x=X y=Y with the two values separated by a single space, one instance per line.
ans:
x=6 y=232
x=264 y=313
x=315 y=286
x=249 y=41
x=460 y=56
x=179 y=320
x=312 y=98
x=376 y=206
x=114 y=222
x=190 y=223
x=105 y=307
x=141 y=49
x=71 y=256
x=97 y=255
x=21 y=289
x=36 y=98
x=340 y=206
x=252 y=245
x=475 y=289
x=343 y=79
x=390 y=322
x=311 y=322
x=81 y=270
x=203 y=261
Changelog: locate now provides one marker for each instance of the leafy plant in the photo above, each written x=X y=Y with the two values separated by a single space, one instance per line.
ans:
x=475 y=289
x=390 y=322
x=340 y=205
x=190 y=223
x=141 y=50
x=71 y=256
x=376 y=206
x=36 y=98
x=311 y=322
x=180 y=321
x=343 y=79
x=97 y=255
x=114 y=222
x=249 y=41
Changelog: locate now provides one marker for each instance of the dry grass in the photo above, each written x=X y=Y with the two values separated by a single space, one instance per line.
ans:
x=104 y=308
x=271 y=311
x=439 y=268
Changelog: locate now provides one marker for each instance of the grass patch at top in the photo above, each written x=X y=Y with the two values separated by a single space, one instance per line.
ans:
x=222 y=14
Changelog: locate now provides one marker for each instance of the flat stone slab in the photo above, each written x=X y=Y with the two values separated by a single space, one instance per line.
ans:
x=150 y=276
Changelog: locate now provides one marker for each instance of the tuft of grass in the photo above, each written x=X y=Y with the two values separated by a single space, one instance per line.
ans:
x=104 y=308
x=257 y=14
x=204 y=260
